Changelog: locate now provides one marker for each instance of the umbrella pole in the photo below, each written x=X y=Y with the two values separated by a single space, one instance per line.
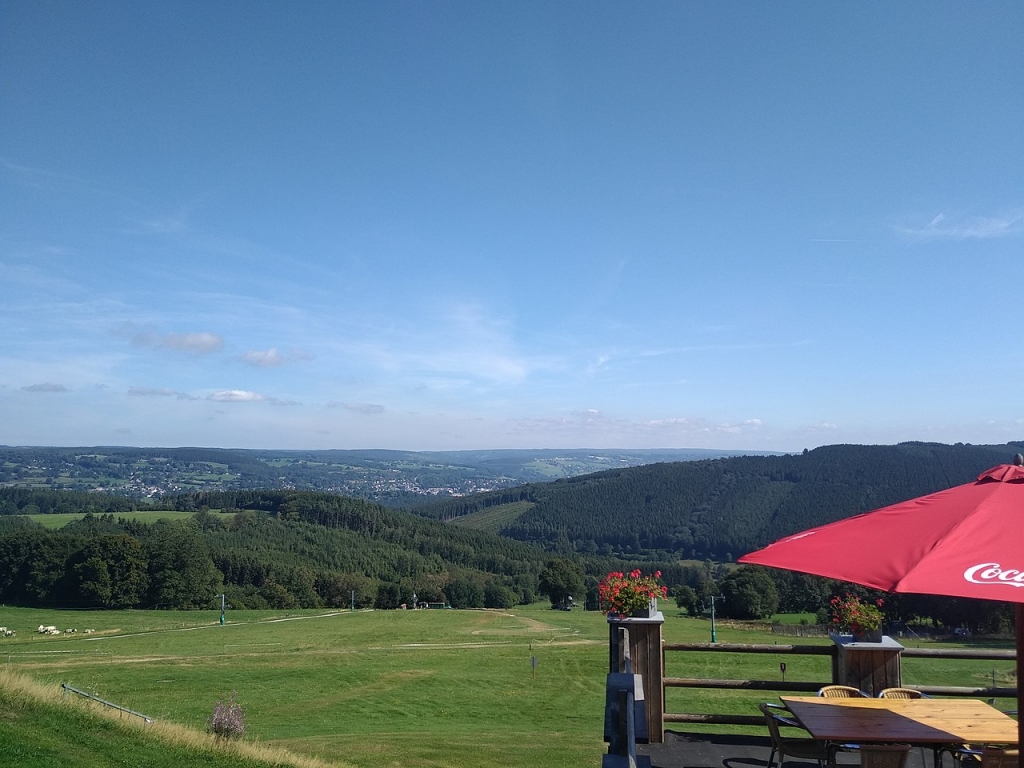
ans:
x=1019 y=632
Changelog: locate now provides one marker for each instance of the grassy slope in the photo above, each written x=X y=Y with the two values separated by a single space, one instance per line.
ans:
x=39 y=727
x=394 y=688
x=493 y=519
x=62 y=519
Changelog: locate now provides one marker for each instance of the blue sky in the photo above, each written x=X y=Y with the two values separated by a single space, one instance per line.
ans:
x=444 y=225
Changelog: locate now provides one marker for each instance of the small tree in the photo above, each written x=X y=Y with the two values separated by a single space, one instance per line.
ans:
x=749 y=593
x=560 y=580
x=227 y=720
x=686 y=599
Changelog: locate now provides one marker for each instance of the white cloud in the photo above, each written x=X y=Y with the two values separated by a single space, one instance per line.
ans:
x=236 y=396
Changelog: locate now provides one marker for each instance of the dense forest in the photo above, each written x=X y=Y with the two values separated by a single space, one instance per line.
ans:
x=274 y=549
x=719 y=509
x=288 y=548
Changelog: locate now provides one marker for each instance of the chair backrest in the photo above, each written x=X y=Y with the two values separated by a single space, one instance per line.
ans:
x=773 y=724
x=884 y=755
x=900 y=693
x=841 y=692
x=999 y=758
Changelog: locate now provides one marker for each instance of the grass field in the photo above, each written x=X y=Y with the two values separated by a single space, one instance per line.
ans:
x=393 y=688
x=493 y=519
x=60 y=520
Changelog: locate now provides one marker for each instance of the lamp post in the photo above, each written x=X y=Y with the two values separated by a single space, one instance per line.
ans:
x=714 y=634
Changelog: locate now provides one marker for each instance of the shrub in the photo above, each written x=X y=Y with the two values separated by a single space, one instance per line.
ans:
x=227 y=720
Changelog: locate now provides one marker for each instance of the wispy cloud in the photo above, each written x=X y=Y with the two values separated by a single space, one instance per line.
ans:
x=236 y=396
x=193 y=343
x=271 y=358
x=943 y=227
x=596 y=365
x=167 y=224
x=280 y=402
x=159 y=392
x=363 y=408
x=34 y=175
x=246 y=396
x=45 y=387
x=694 y=426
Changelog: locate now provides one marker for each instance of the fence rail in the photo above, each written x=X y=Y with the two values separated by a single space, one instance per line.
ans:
x=802 y=650
x=105 y=703
x=807 y=686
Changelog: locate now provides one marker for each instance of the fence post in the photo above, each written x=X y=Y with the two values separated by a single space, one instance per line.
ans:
x=643 y=637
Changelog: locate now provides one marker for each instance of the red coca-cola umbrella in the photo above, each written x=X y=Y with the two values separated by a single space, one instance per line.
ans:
x=967 y=541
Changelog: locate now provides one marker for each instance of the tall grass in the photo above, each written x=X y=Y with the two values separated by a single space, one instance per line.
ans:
x=41 y=727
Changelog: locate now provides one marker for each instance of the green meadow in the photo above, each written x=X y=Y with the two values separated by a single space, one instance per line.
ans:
x=393 y=688
x=59 y=520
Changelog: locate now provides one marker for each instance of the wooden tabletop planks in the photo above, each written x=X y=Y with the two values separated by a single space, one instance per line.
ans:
x=912 y=721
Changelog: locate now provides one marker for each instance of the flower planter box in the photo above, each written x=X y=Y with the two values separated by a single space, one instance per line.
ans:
x=867 y=666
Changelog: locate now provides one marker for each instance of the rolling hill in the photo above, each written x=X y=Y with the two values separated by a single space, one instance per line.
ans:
x=717 y=508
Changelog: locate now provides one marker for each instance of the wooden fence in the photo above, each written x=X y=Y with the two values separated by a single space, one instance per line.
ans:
x=809 y=686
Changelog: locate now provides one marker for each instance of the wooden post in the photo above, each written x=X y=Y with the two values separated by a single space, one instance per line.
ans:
x=647 y=661
x=869 y=667
x=1019 y=631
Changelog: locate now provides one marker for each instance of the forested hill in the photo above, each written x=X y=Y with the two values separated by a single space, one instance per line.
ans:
x=722 y=508
x=272 y=548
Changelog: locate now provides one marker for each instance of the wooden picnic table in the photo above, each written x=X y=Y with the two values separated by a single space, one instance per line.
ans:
x=937 y=723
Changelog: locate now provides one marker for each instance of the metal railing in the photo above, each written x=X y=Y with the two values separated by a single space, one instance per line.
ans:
x=105 y=703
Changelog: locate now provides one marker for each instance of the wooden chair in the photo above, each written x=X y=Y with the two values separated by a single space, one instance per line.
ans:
x=886 y=755
x=972 y=755
x=841 y=692
x=900 y=693
x=803 y=748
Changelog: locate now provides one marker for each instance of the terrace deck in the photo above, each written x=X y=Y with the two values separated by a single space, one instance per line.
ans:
x=707 y=750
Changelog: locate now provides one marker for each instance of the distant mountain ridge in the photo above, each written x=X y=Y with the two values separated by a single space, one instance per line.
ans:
x=388 y=476
x=718 y=508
